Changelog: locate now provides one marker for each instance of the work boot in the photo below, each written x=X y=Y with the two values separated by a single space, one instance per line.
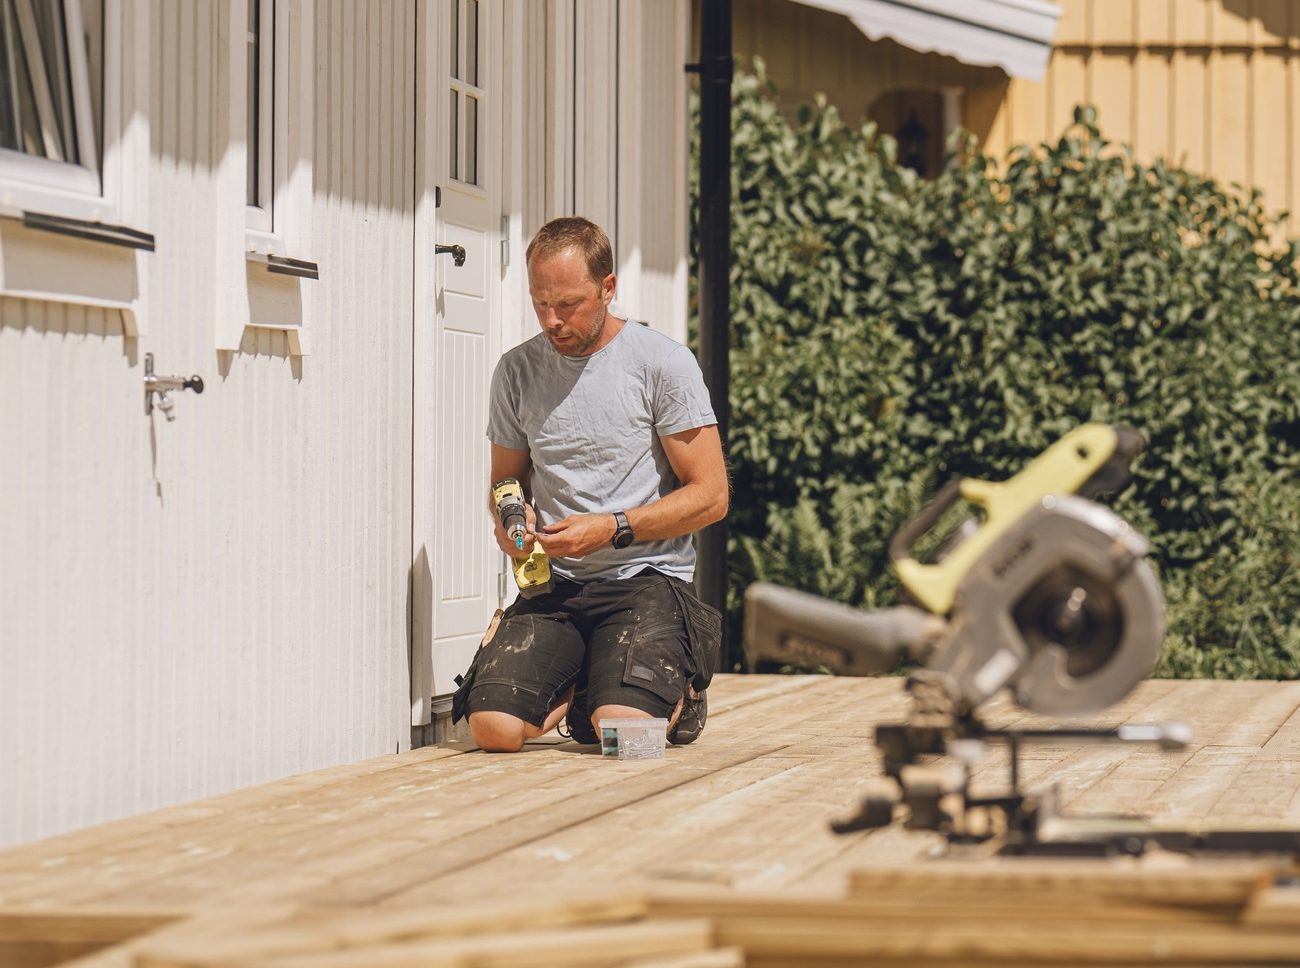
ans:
x=578 y=719
x=689 y=725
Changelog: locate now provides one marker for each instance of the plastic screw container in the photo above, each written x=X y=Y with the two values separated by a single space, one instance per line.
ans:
x=633 y=739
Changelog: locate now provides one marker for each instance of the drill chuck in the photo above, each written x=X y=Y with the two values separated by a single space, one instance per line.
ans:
x=514 y=526
x=509 y=497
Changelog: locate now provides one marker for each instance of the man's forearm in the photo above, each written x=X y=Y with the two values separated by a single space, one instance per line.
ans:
x=686 y=510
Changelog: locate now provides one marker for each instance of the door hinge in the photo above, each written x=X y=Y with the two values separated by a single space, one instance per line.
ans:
x=437 y=196
x=505 y=241
x=501 y=588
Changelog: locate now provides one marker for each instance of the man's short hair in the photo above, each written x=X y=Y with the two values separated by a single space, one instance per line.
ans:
x=574 y=232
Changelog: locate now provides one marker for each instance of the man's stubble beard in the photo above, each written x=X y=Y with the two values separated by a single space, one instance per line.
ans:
x=594 y=337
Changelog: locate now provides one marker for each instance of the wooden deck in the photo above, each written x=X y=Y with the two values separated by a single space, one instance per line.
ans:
x=746 y=807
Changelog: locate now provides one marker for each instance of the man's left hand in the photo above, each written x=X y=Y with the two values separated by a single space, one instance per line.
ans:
x=577 y=536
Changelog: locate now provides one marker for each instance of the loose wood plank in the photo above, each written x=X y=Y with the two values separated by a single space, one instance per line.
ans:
x=317 y=931
x=584 y=945
x=1208 y=884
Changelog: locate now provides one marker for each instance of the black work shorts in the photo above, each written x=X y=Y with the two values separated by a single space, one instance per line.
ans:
x=626 y=638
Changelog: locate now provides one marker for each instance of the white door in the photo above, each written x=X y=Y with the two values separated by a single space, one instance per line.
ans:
x=455 y=587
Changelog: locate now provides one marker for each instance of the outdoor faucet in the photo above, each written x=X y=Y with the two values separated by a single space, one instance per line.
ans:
x=162 y=386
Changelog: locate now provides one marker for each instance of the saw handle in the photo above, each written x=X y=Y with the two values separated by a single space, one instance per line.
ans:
x=1065 y=468
x=794 y=628
x=905 y=539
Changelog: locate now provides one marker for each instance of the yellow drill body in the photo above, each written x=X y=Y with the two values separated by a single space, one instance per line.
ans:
x=532 y=574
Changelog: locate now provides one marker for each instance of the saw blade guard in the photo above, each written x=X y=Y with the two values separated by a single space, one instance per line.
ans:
x=1064 y=610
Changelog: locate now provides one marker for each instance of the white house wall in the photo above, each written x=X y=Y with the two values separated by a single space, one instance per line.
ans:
x=602 y=132
x=196 y=606
x=651 y=231
x=192 y=607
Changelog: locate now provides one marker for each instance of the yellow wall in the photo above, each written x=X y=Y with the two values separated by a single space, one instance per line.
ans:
x=1213 y=85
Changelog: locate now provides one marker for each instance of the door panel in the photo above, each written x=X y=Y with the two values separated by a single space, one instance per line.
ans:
x=457 y=343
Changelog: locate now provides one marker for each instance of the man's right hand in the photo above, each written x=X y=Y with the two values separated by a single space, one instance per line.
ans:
x=530 y=537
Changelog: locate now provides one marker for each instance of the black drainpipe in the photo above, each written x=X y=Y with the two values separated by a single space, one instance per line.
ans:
x=715 y=70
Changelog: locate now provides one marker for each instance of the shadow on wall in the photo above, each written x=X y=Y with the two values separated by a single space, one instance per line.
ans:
x=65 y=319
x=981 y=108
x=1280 y=20
x=358 y=152
x=419 y=632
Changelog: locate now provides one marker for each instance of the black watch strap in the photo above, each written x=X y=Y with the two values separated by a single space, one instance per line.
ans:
x=623 y=534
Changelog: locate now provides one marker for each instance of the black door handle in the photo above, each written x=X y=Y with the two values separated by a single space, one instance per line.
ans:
x=457 y=253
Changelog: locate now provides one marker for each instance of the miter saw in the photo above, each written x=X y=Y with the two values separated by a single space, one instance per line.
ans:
x=1034 y=588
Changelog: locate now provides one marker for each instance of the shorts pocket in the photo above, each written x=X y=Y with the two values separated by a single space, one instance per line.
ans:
x=704 y=625
x=655 y=661
x=464 y=683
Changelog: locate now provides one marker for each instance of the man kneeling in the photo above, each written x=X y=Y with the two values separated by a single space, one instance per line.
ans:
x=608 y=425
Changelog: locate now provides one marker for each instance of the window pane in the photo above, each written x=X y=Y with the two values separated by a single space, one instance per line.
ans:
x=38 y=116
x=471 y=42
x=254 y=100
x=454 y=33
x=9 y=123
x=471 y=140
x=54 y=40
x=453 y=168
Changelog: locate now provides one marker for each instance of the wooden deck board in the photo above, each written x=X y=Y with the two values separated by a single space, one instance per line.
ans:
x=459 y=814
x=733 y=827
x=644 y=802
x=748 y=806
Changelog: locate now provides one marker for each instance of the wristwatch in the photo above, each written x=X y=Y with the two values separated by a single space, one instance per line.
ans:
x=623 y=535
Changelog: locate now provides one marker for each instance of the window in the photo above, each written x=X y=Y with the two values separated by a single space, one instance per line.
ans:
x=51 y=93
x=74 y=152
x=261 y=115
x=272 y=70
x=266 y=199
x=466 y=93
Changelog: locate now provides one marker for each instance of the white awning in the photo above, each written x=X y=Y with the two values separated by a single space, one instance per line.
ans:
x=1015 y=35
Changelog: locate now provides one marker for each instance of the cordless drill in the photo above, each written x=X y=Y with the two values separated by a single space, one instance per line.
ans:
x=532 y=574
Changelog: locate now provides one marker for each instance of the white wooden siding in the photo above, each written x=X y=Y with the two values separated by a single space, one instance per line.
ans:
x=650 y=235
x=596 y=133
x=559 y=55
x=613 y=145
x=194 y=606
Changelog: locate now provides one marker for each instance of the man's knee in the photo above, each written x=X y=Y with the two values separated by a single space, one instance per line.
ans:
x=613 y=711
x=497 y=732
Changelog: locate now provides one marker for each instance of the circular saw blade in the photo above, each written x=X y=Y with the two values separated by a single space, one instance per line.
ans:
x=1073 y=610
x=1092 y=622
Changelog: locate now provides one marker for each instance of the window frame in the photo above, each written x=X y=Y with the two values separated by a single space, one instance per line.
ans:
x=270 y=227
x=460 y=152
x=257 y=243
x=261 y=154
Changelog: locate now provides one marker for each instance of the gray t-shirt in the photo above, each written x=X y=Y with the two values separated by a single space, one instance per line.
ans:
x=592 y=425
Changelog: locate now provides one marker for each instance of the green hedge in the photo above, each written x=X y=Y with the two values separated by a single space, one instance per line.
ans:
x=890 y=333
